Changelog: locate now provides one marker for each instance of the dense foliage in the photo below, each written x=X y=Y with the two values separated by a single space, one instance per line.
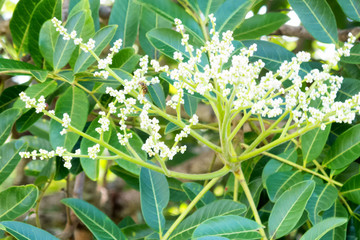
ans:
x=132 y=91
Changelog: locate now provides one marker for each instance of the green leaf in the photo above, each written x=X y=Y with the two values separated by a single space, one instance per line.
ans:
x=192 y=189
x=351 y=8
x=190 y=104
x=136 y=143
x=273 y=165
x=321 y=228
x=96 y=221
x=349 y=88
x=95 y=7
x=125 y=14
x=168 y=41
x=45 y=10
x=154 y=196
x=148 y=21
x=10 y=66
x=8 y=118
x=65 y=48
x=47 y=40
x=212 y=238
x=230 y=226
x=131 y=179
x=40 y=75
x=351 y=189
x=317 y=18
x=20 y=23
x=260 y=25
x=214 y=209
x=27 y=120
x=231 y=14
x=102 y=39
x=345 y=150
x=337 y=210
x=89 y=28
x=9 y=157
x=321 y=199
x=69 y=103
x=277 y=183
x=92 y=166
x=157 y=95
x=23 y=231
x=170 y=10
x=17 y=200
x=209 y=6
x=9 y=95
x=354 y=57
x=35 y=91
x=289 y=208
x=255 y=187
x=313 y=142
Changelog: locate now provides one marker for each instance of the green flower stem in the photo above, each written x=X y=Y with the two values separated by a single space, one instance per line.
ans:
x=348 y=207
x=283 y=160
x=239 y=125
x=92 y=96
x=236 y=189
x=239 y=175
x=190 y=207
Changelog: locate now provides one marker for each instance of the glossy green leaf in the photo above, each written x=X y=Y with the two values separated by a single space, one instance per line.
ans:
x=10 y=95
x=124 y=57
x=148 y=21
x=260 y=25
x=89 y=27
x=339 y=211
x=154 y=196
x=277 y=183
x=231 y=14
x=212 y=238
x=14 y=66
x=8 y=118
x=47 y=40
x=349 y=88
x=321 y=228
x=17 y=200
x=351 y=189
x=289 y=208
x=168 y=41
x=35 y=91
x=321 y=199
x=157 y=95
x=354 y=57
x=40 y=75
x=273 y=165
x=23 y=231
x=20 y=23
x=192 y=189
x=131 y=179
x=65 y=48
x=209 y=6
x=190 y=104
x=136 y=143
x=317 y=18
x=96 y=221
x=92 y=166
x=45 y=10
x=313 y=142
x=9 y=157
x=170 y=10
x=102 y=39
x=67 y=104
x=125 y=14
x=230 y=226
x=27 y=120
x=345 y=150
x=214 y=209
x=95 y=7
x=351 y=8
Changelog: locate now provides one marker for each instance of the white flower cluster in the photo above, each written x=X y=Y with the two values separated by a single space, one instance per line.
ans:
x=93 y=151
x=103 y=63
x=65 y=123
x=90 y=45
x=104 y=123
x=44 y=154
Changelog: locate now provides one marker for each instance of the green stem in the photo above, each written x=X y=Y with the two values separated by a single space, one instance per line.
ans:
x=37 y=207
x=239 y=175
x=240 y=124
x=236 y=189
x=190 y=207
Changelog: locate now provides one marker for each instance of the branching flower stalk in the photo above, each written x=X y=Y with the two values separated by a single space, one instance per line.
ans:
x=231 y=82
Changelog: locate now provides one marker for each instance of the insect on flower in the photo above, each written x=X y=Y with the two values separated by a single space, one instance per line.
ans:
x=143 y=88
